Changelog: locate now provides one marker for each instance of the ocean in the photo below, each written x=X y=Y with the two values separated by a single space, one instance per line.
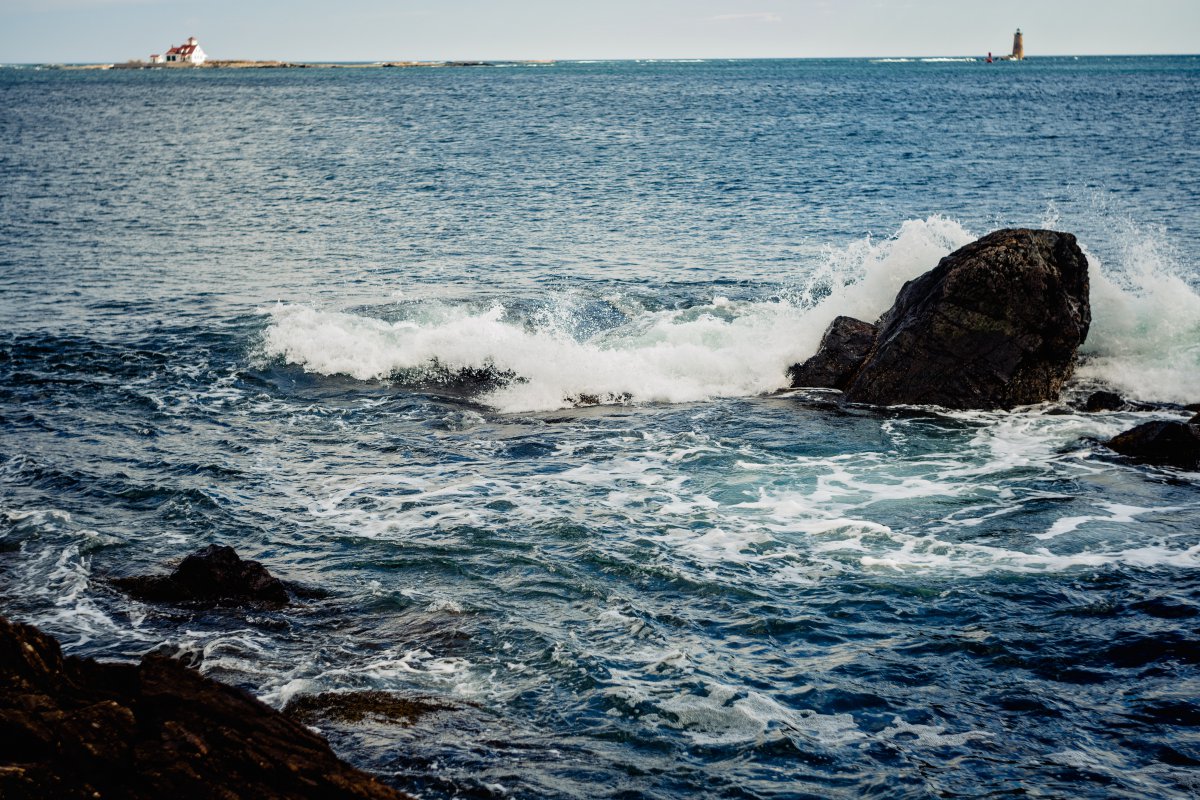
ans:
x=486 y=362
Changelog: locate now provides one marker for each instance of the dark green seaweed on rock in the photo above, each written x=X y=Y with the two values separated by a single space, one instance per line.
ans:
x=352 y=707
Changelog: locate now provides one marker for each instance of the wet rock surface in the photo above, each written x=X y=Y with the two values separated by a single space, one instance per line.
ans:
x=1104 y=401
x=995 y=324
x=77 y=728
x=1165 y=443
x=215 y=576
x=845 y=345
x=353 y=707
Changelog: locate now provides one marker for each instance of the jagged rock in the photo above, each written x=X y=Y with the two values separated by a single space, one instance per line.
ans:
x=846 y=342
x=995 y=324
x=1195 y=421
x=215 y=575
x=1173 y=444
x=75 y=728
x=1104 y=401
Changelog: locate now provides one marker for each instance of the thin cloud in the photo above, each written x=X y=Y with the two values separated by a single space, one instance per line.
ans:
x=756 y=16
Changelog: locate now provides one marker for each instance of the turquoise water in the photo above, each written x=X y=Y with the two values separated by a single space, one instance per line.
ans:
x=490 y=357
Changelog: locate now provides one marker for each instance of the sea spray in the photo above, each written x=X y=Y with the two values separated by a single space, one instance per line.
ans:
x=560 y=357
x=568 y=350
x=721 y=349
x=1145 y=337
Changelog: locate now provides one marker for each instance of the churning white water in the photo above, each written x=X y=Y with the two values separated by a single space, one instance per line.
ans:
x=1144 y=341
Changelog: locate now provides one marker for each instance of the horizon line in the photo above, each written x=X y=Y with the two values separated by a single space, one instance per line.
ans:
x=626 y=58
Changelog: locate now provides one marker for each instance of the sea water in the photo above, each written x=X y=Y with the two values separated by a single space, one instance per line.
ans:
x=486 y=363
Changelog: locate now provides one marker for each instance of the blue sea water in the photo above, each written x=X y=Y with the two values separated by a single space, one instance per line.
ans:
x=486 y=361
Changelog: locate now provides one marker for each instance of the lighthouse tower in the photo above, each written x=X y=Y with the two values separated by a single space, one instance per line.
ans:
x=1018 y=53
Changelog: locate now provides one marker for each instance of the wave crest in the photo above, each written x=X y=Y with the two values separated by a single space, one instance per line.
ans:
x=575 y=350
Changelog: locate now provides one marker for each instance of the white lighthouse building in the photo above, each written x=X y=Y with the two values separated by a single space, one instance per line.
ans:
x=189 y=53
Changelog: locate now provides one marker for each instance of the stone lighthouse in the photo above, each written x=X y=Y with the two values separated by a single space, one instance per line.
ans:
x=1018 y=53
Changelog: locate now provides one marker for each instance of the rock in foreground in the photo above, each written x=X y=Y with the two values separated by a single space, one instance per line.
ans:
x=76 y=728
x=215 y=575
x=1171 y=444
x=995 y=324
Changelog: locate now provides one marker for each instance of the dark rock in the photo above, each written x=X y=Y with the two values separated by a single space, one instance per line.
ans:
x=1104 y=401
x=1172 y=444
x=352 y=707
x=995 y=324
x=846 y=342
x=75 y=728
x=215 y=575
x=1194 y=420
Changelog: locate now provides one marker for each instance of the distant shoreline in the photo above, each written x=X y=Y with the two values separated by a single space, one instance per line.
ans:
x=251 y=64
x=279 y=64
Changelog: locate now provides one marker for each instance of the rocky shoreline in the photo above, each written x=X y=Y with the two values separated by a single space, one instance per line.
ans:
x=78 y=728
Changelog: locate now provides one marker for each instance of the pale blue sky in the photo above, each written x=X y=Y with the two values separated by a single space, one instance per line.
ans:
x=368 y=30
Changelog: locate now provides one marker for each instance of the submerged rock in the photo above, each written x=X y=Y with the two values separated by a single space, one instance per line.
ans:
x=1172 y=444
x=995 y=324
x=76 y=728
x=352 y=707
x=1104 y=401
x=216 y=575
x=845 y=345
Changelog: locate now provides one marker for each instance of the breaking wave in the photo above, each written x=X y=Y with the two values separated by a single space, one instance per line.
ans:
x=1145 y=336
x=574 y=350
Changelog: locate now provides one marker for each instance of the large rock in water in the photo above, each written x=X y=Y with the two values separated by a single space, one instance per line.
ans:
x=216 y=575
x=74 y=728
x=1172 y=444
x=995 y=324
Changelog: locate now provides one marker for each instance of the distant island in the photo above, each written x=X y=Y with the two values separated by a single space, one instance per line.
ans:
x=190 y=55
x=251 y=64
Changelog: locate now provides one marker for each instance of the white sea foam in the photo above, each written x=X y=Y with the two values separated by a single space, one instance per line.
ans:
x=928 y=735
x=1116 y=513
x=1144 y=342
x=62 y=574
x=725 y=348
x=659 y=356
x=726 y=714
x=1145 y=336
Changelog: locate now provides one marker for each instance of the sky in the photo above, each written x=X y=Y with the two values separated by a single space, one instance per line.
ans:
x=91 y=31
